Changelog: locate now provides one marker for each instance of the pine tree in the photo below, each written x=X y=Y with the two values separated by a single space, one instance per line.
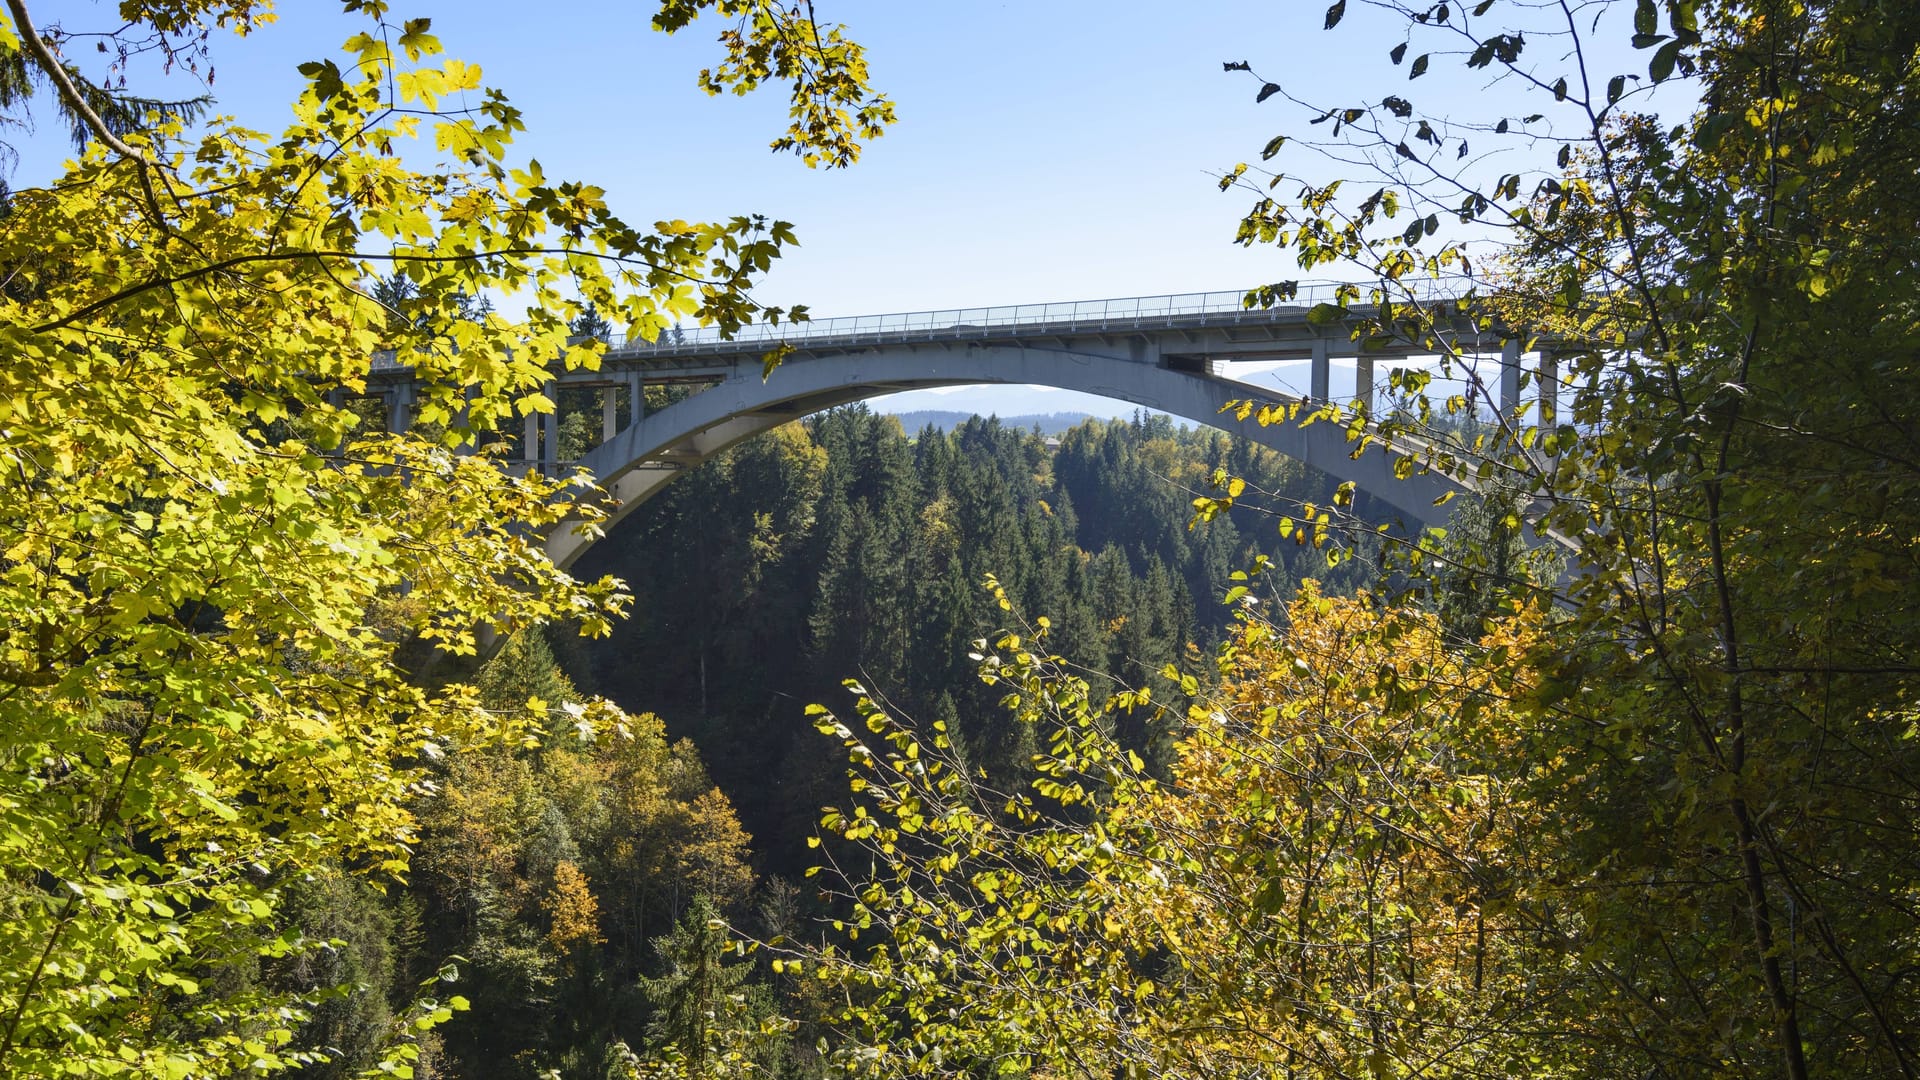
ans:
x=698 y=1007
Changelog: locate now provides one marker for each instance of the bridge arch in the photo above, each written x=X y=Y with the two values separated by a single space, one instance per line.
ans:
x=640 y=459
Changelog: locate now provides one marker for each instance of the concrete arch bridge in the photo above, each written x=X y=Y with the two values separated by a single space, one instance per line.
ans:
x=1176 y=354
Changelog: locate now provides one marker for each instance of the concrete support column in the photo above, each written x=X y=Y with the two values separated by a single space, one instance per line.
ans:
x=1322 y=374
x=1509 y=377
x=636 y=398
x=609 y=417
x=1363 y=381
x=550 y=445
x=530 y=442
x=399 y=402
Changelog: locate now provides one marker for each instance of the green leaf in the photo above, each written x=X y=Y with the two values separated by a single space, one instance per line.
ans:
x=1662 y=65
x=1646 y=18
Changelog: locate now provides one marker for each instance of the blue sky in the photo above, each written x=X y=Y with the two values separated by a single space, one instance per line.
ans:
x=1046 y=150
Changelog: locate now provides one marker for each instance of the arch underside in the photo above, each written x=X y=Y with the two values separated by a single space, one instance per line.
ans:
x=648 y=454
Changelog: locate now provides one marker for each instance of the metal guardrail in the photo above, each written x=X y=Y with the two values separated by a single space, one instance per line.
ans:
x=1126 y=313
x=1132 y=312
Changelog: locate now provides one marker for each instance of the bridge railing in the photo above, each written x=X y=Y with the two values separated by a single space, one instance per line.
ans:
x=1118 y=314
x=1123 y=313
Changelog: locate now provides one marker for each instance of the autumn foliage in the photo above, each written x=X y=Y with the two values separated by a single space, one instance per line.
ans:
x=1336 y=880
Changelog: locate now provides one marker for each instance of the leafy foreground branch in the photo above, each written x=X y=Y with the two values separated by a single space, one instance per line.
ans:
x=1342 y=877
x=1379 y=853
x=1721 y=297
x=218 y=590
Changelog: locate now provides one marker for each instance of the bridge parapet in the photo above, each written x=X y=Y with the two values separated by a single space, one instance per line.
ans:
x=1115 y=315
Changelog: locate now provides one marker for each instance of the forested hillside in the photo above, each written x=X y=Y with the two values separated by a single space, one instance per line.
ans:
x=549 y=876
x=565 y=882
x=843 y=547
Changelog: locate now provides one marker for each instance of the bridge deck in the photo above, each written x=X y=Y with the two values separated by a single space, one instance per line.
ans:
x=1224 y=314
x=1218 y=325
